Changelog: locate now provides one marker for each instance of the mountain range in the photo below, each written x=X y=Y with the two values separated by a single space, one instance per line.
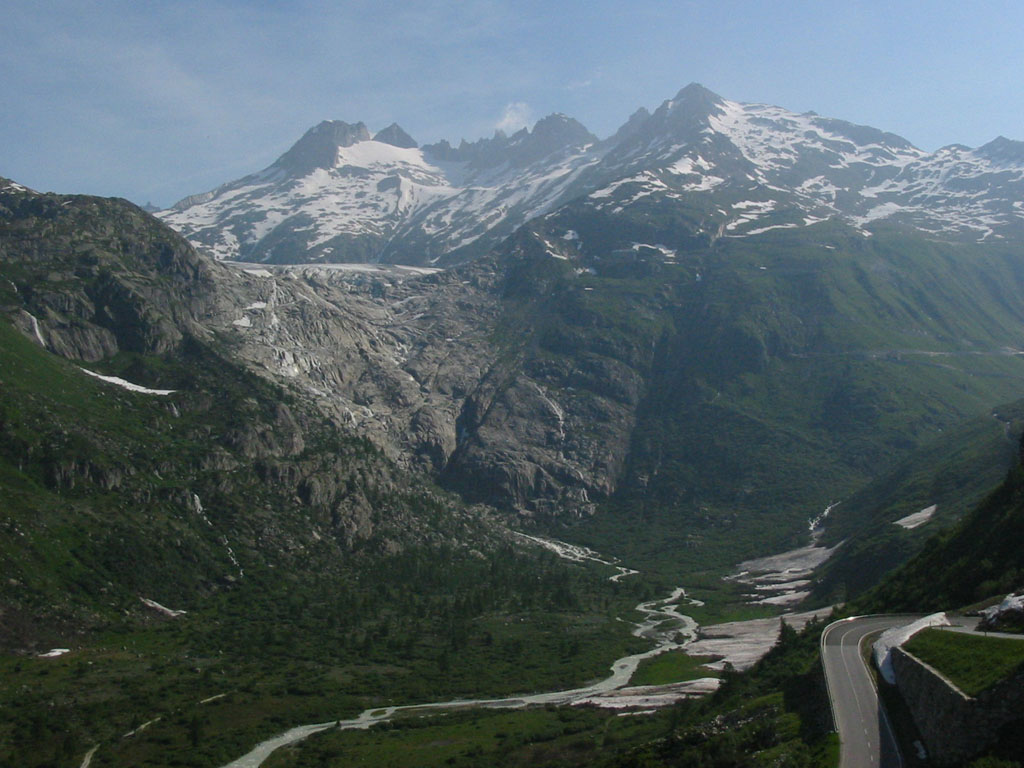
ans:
x=342 y=194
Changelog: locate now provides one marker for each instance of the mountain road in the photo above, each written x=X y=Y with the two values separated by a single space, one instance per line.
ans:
x=865 y=735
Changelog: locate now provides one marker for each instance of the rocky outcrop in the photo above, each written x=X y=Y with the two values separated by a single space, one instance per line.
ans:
x=396 y=137
x=419 y=366
x=954 y=726
x=318 y=148
x=99 y=276
x=1008 y=614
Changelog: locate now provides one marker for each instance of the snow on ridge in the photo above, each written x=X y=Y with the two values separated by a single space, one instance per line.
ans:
x=772 y=138
x=934 y=189
x=13 y=186
x=369 y=153
x=378 y=190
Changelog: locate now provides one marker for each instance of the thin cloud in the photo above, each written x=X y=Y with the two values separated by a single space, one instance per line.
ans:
x=517 y=115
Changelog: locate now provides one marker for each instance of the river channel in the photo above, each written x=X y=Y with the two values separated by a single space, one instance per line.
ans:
x=663 y=624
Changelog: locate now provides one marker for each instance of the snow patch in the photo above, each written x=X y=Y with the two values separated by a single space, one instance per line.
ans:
x=54 y=653
x=1010 y=604
x=161 y=609
x=127 y=384
x=142 y=727
x=742 y=644
x=759 y=230
x=917 y=518
x=667 y=253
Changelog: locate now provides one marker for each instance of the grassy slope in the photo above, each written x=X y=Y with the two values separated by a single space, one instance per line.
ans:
x=978 y=558
x=672 y=667
x=954 y=472
x=972 y=663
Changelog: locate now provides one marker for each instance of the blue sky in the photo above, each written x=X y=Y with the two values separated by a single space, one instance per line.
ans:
x=154 y=100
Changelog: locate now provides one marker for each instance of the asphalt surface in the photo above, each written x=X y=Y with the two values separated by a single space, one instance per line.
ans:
x=865 y=735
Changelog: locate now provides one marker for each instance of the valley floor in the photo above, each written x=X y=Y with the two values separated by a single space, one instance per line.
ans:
x=737 y=645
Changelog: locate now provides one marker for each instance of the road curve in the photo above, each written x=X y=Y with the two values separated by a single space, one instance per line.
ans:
x=865 y=735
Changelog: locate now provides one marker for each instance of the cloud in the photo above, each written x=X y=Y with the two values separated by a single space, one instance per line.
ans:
x=586 y=81
x=517 y=115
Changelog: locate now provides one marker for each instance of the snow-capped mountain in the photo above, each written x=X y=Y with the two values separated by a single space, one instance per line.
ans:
x=755 y=167
x=341 y=194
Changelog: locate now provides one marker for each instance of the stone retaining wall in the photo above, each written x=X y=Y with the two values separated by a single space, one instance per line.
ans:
x=953 y=725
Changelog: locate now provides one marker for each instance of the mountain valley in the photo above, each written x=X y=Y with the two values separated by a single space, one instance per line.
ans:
x=306 y=446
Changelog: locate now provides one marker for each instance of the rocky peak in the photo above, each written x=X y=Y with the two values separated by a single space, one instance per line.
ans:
x=696 y=97
x=632 y=126
x=678 y=120
x=552 y=134
x=318 y=148
x=689 y=110
x=1003 y=151
x=396 y=137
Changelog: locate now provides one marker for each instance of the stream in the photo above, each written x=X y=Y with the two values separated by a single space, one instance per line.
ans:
x=663 y=624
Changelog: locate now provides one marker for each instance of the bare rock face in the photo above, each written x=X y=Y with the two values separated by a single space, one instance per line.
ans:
x=417 y=364
x=112 y=277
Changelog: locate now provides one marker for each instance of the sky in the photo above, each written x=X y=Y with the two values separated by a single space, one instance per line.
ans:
x=154 y=100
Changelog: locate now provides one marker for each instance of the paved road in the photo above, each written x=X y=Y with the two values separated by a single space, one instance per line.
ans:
x=865 y=736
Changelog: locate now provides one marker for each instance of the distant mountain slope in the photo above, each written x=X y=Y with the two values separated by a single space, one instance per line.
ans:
x=979 y=558
x=715 y=392
x=890 y=520
x=749 y=383
x=340 y=194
